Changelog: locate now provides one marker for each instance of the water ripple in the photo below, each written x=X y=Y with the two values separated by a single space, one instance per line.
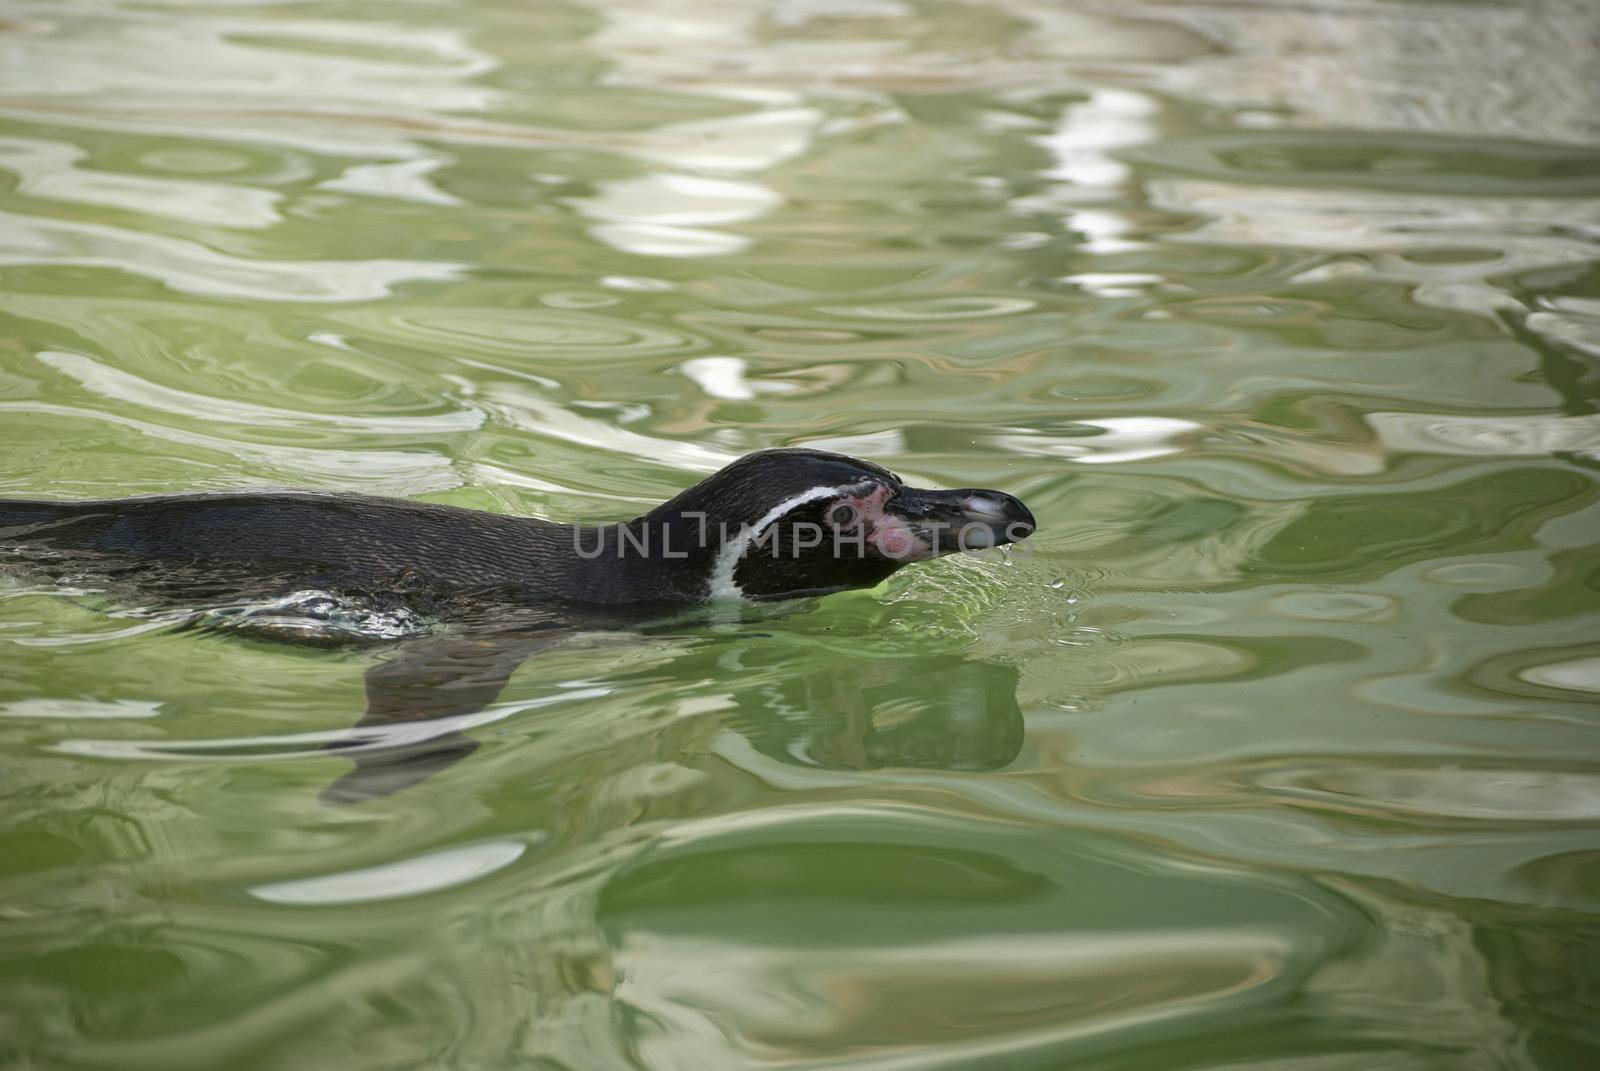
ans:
x=48 y=170
x=192 y=268
x=113 y=383
x=406 y=877
x=527 y=334
x=413 y=469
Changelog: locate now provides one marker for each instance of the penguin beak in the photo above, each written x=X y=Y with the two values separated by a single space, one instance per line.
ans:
x=968 y=519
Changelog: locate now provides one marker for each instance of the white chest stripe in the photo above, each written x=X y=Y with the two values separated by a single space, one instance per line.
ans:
x=722 y=584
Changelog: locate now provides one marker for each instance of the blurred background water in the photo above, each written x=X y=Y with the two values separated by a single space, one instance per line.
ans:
x=1278 y=752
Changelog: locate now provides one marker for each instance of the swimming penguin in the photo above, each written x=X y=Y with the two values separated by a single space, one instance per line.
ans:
x=776 y=524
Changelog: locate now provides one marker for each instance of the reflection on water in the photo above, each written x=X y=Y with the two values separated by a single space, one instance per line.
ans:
x=874 y=962
x=407 y=877
x=856 y=713
x=1277 y=751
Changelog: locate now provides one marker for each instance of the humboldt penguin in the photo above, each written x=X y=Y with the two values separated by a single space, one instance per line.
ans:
x=773 y=525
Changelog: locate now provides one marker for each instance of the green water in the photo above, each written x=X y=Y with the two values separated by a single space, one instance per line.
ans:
x=1278 y=752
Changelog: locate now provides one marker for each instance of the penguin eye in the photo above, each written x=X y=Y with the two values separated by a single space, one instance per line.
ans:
x=843 y=515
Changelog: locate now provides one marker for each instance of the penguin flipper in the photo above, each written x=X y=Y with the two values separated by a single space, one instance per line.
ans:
x=429 y=679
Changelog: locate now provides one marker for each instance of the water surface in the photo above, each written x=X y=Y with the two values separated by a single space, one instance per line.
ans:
x=1278 y=752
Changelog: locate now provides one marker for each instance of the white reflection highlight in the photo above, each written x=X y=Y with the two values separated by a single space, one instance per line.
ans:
x=724 y=377
x=80 y=709
x=1113 y=284
x=114 y=383
x=1472 y=792
x=1088 y=132
x=1577 y=675
x=352 y=741
x=413 y=471
x=392 y=881
x=1088 y=176
x=886 y=443
x=660 y=240
x=48 y=170
x=194 y=269
x=970 y=307
x=405 y=180
x=1121 y=439
x=523 y=409
x=692 y=988
x=664 y=215
x=244 y=57
x=1535 y=435
x=744 y=143
x=1526 y=232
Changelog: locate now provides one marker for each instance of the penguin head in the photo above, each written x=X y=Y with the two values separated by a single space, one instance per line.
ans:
x=792 y=522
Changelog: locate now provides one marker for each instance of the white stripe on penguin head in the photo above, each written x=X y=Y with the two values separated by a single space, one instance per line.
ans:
x=722 y=582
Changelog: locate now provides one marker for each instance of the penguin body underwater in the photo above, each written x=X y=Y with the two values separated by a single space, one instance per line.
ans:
x=773 y=525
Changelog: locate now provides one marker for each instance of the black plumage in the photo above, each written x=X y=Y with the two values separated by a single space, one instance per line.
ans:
x=774 y=524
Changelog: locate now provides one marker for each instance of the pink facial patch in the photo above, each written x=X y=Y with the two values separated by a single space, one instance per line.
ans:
x=893 y=543
x=886 y=532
